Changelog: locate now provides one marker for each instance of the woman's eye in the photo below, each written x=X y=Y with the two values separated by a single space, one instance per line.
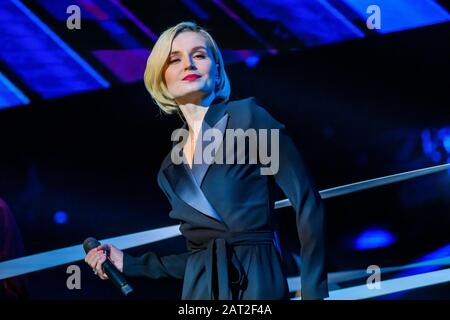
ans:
x=201 y=56
x=173 y=61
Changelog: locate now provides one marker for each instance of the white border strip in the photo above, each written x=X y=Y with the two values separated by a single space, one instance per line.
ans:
x=334 y=278
x=367 y=184
x=392 y=286
x=58 y=257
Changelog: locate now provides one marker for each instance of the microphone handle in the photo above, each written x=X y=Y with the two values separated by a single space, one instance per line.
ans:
x=116 y=277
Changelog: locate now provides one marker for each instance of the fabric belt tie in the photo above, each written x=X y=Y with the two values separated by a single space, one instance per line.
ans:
x=220 y=256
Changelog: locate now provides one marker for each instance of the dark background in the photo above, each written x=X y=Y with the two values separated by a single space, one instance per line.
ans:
x=356 y=110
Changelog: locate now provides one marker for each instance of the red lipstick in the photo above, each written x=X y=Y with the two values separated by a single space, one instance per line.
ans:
x=191 y=77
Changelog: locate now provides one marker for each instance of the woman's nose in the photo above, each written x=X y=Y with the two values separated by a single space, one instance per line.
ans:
x=189 y=64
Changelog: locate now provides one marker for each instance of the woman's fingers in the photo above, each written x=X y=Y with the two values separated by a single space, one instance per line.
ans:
x=95 y=258
x=98 y=266
x=91 y=257
x=103 y=247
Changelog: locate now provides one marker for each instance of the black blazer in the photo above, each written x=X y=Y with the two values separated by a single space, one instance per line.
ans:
x=225 y=213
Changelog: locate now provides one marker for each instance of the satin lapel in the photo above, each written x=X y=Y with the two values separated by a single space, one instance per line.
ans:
x=187 y=189
x=182 y=179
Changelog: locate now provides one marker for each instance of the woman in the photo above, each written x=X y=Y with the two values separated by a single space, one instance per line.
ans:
x=225 y=208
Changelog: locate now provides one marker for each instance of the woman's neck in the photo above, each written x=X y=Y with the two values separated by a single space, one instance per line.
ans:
x=194 y=113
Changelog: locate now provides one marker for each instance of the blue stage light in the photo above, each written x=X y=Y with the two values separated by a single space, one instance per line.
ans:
x=401 y=15
x=252 y=61
x=314 y=22
x=444 y=135
x=60 y=217
x=436 y=144
x=374 y=238
x=10 y=95
x=40 y=58
x=195 y=8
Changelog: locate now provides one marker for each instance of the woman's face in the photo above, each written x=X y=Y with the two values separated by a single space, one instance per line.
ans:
x=190 y=73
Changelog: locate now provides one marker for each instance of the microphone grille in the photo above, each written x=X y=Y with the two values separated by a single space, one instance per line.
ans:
x=90 y=243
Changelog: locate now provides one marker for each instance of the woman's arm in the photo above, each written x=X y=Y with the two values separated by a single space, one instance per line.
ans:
x=152 y=266
x=148 y=265
x=293 y=178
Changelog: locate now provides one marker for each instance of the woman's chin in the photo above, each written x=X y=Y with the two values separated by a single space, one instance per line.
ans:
x=194 y=96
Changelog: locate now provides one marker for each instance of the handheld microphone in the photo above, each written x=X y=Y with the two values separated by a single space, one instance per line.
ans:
x=109 y=268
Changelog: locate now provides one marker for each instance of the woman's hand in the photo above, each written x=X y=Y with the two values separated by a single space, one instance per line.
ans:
x=97 y=256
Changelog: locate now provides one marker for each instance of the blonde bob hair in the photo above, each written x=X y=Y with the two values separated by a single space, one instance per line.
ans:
x=157 y=61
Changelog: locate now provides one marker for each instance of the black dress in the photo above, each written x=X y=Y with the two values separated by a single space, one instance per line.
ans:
x=226 y=215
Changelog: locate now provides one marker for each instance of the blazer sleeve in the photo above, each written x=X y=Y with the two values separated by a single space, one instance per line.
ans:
x=154 y=267
x=293 y=178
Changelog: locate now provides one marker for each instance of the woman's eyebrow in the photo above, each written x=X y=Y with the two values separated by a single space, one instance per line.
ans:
x=192 y=50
